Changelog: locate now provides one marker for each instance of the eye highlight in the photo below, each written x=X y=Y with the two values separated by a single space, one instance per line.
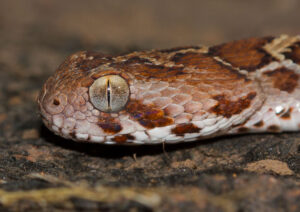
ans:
x=109 y=93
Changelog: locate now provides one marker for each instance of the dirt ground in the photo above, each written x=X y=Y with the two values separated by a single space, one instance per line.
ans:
x=43 y=172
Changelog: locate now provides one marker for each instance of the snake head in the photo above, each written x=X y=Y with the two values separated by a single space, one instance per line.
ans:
x=86 y=101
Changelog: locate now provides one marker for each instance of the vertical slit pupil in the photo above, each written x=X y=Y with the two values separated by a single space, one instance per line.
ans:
x=108 y=90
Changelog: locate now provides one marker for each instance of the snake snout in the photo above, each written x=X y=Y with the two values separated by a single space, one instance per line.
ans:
x=51 y=103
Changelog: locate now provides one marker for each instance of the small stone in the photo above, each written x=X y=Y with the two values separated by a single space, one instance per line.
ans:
x=265 y=166
x=184 y=164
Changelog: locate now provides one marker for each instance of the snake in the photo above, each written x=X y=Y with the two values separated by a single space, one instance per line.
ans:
x=176 y=95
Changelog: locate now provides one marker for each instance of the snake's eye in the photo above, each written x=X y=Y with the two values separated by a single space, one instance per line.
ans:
x=109 y=93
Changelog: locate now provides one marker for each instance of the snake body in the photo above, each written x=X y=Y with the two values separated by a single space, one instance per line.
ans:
x=176 y=95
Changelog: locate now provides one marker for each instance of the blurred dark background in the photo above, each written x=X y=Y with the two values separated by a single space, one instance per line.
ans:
x=148 y=24
x=42 y=33
x=121 y=24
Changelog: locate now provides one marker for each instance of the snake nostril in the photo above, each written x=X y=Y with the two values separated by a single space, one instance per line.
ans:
x=56 y=102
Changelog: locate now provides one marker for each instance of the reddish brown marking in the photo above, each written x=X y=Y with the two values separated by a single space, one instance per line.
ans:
x=147 y=71
x=123 y=138
x=228 y=108
x=244 y=54
x=108 y=124
x=162 y=122
x=111 y=128
x=287 y=114
x=154 y=114
x=137 y=60
x=273 y=128
x=181 y=129
x=144 y=68
x=283 y=79
x=206 y=69
x=86 y=64
x=188 y=58
x=259 y=124
x=147 y=115
x=243 y=130
x=206 y=63
x=294 y=54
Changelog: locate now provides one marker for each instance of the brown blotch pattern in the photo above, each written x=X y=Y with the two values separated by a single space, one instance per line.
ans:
x=147 y=115
x=189 y=58
x=244 y=54
x=227 y=108
x=206 y=63
x=273 y=128
x=110 y=128
x=259 y=124
x=294 y=54
x=287 y=114
x=123 y=138
x=108 y=124
x=182 y=129
x=283 y=79
x=146 y=71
